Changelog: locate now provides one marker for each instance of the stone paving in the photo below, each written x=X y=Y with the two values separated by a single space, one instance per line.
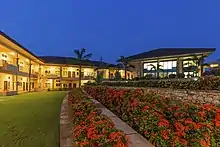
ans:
x=65 y=125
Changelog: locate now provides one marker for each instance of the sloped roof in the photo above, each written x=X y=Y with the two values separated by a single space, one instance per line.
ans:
x=18 y=44
x=73 y=61
x=162 y=52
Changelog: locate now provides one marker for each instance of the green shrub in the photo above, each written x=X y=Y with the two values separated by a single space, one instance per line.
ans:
x=204 y=83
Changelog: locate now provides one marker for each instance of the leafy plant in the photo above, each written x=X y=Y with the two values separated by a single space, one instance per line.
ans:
x=81 y=56
x=125 y=63
x=204 y=83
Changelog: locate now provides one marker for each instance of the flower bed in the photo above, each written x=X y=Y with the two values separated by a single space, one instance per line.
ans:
x=204 y=83
x=90 y=128
x=162 y=121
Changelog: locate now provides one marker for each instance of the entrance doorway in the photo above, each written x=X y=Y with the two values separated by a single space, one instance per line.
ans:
x=23 y=86
x=5 y=85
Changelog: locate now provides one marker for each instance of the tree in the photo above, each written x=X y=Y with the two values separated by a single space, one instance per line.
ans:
x=81 y=56
x=156 y=69
x=125 y=64
x=197 y=61
x=100 y=74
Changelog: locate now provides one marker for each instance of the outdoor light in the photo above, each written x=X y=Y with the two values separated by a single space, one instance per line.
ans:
x=12 y=53
x=195 y=78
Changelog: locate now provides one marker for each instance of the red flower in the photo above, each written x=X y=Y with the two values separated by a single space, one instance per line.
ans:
x=169 y=109
x=183 y=141
x=165 y=134
x=179 y=126
x=163 y=123
x=208 y=107
x=203 y=143
x=202 y=114
x=145 y=108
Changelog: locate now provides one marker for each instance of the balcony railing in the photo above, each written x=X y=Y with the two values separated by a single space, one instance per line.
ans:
x=52 y=76
x=88 y=78
x=8 y=67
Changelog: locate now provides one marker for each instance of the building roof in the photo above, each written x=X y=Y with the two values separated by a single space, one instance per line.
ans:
x=74 y=61
x=162 y=52
x=18 y=44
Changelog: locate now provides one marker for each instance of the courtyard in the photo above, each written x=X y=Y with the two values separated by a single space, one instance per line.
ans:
x=30 y=120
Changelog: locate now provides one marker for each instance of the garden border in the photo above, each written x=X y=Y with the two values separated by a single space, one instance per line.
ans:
x=65 y=125
x=135 y=139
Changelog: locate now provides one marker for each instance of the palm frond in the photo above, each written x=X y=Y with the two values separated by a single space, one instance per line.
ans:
x=78 y=54
x=86 y=57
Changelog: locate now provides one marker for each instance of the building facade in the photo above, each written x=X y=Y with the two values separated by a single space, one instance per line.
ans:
x=166 y=61
x=22 y=71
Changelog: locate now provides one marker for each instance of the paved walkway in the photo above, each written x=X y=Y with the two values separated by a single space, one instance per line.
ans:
x=65 y=125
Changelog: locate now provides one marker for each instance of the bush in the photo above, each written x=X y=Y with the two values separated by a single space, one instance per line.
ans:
x=172 y=76
x=212 y=71
x=204 y=83
x=90 y=128
x=161 y=121
x=181 y=75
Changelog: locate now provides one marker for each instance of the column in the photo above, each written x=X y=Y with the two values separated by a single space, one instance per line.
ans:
x=179 y=66
x=17 y=61
x=141 y=69
x=61 y=75
x=109 y=74
x=52 y=83
x=29 y=78
x=157 y=69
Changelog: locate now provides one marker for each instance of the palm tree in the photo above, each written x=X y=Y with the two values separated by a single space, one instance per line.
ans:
x=125 y=64
x=156 y=69
x=81 y=56
x=197 y=61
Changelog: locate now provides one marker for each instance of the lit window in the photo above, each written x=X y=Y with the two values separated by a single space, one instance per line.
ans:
x=174 y=64
x=165 y=65
x=169 y=65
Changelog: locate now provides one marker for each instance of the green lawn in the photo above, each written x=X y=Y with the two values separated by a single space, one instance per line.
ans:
x=30 y=120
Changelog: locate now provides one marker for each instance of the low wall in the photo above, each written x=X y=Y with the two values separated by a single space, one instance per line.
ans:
x=195 y=96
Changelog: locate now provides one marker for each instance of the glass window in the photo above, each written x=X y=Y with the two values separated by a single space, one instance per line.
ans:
x=188 y=63
x=169 y=64
x=174 y=64
x=149 y=66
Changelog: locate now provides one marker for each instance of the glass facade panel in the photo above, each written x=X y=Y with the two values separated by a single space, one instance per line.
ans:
x=168 y=65
x=149 y=66
x=189 y=63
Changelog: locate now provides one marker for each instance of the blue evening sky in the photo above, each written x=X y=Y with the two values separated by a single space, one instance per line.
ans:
x=111 y=28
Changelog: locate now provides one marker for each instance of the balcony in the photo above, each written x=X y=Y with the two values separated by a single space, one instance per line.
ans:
x=88 y=78
x=69 y=78
x=52 y=76
x=35 y=74
x=8 y=67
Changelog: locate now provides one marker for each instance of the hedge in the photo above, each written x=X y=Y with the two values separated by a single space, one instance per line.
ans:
x=205 y=83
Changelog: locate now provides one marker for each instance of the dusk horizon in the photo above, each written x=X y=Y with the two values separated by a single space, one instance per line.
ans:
x=111 y=29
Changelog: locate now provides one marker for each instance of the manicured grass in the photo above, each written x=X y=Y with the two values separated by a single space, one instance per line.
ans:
x=30 y=120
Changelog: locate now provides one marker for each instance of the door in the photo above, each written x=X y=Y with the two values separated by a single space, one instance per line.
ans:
x=23 y=86
x=70 y=85
x=5 y=85
x=27 y=86
x=74 y=74
x=74 y=85
x=69 y=74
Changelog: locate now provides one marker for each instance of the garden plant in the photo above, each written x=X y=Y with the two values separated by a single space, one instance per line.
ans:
x=90 y=127
x=160 y=120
